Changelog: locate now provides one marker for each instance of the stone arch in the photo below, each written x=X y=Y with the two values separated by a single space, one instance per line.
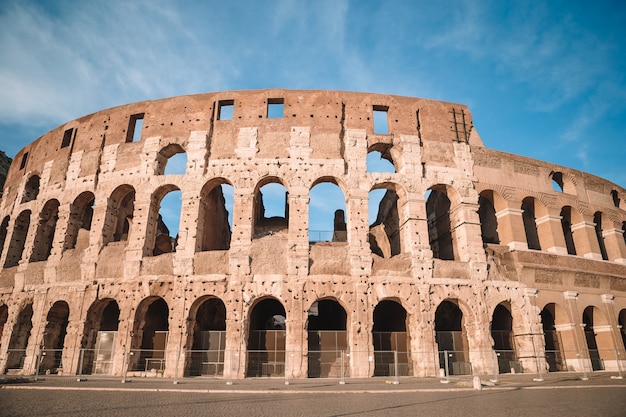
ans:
x=376 y=154
x=563 y=182
x=214 y=230
x=266 y=338
x=150 y=333
x=44 y=237
x=600 y=219
x=621 y=320
x=172 y=159
x=327 y=338
x=159 y=239
x=19 y=338
x=530 y=210
x=328 y=189
x=598 y=337
x=4 y=228
x=31 y=189
x=487 y=216
x=54 y=336
x=277 y=192
x=4 y=316
x=385 y=235
x=119 y=215
x=18 y=239
x=451 y=337
x=206 y=337
x=391 y=339
x=503 y=337
x=79 y=222
x=440 y=227
x=559 y=337
x=99 y=336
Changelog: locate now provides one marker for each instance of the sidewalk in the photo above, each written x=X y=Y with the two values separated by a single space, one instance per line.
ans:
x=302 y=386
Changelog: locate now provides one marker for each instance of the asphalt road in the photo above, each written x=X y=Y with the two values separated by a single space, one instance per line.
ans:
x=95 y=400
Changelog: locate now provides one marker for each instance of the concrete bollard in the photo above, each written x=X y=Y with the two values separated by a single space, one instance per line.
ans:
x=476 y=383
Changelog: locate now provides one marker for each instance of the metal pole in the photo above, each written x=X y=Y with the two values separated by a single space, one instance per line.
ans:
x=342 y=381
x=40 y=356
x=395 y=367
x=286 y=369
x=445 y=369
x=537 y=359
x=496 y=366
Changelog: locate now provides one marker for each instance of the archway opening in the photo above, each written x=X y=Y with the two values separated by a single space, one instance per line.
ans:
x=553 y=344
x=215 y=219
x=172 y=160
x=4 y=316
x=31 y=189
x=566 y=225
x=45 y=231
x=530 y=224
x=4 y=226
x=327 y=339
x=391 y=341
x=54 y=337
x=380 y=159
x=151 y=331
x=590 y=337
x=439 y=225
x=119 y=216
x=384 y=234
x=271 y=208
x=327 y=213
x=99 y=337
x=18 y=240
x=81 y=214
x=266 y=339
x=597 y=219
x=488 y=220
x=168 y=206
x=502 y=334
x=451 y=339
x=207 y=337
x=19 y=338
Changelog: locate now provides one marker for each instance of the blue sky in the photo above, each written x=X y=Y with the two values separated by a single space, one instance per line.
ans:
x=542 y=79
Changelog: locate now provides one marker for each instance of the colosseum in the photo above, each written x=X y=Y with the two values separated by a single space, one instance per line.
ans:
x=470 y=261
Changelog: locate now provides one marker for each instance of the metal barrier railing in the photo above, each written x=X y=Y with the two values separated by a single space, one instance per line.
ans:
x=335 y=363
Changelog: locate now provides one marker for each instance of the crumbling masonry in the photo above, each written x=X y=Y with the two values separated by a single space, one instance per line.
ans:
x=477 y=262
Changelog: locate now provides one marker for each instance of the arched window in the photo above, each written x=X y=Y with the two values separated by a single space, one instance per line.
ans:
x=119 y=216
x=19 y=338
x=488 y=220
x=167 y=205
x=502 y=334
x=390 y=339
x=530 y=224
x=327 y=212
x=31 y=189
x=384 y=219
x=439 y=225
x=207 y=337
x=379 y=159
x=150 y=331
x=99 y=336
x=3 y=233
x=451 y=338
x=81 y=214
x=327 y=338
x=215 y=216
x=54 y=336
x=18 y=239
x=271 y=208
x=171 y=160
x=45 y=231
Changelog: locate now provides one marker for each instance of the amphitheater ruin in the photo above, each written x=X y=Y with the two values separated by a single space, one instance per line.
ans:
x=470 y=260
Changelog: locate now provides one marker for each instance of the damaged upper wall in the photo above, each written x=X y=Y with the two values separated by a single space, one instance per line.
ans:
x=80 y=145
x=515 y=177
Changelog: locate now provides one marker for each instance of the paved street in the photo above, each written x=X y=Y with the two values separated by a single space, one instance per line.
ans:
x=520 y=396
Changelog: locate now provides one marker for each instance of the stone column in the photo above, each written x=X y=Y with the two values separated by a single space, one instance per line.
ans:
x=585 y=240
x=550 y=233
x=511 y=228
x=617 y=361
x=615 y=244
x=298 y=238
x=573 y=334
x=466 y=234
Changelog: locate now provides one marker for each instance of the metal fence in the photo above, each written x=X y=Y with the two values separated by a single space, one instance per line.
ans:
x=321 y=363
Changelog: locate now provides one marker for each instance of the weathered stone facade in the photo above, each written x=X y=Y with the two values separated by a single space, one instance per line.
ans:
x=473 y=252
x=5 y=163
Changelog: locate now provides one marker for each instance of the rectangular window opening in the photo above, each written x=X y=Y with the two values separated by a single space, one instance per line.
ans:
x=67 y=138
x=381 y=126
x=275 y=108
x=225 y=109
x=134 y=128
x=24 y=159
